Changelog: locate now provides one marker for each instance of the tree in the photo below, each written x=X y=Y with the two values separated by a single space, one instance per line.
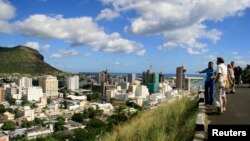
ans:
x=24 y=101
x=17 y=114
x=134 y=105
x=2 y=108
x=9 y=125
x=59 y=124
x=119 y=116
x=246 y=75
x=92 y=112
x=38 y=121
x=10 y=110
x=27 y=124
x=85 y=113
x=96 y=126
x=77 y=117
x=12 y=101
x=65 y=103
x=83 y=135
x=49 y=100
x=93 y=97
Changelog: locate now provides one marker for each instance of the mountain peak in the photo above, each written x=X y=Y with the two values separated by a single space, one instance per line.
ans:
x=24 y=60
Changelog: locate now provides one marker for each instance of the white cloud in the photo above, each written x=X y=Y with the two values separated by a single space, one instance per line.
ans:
x=37 y=46
x=211 y=57
x=7 y=12
x=182 y=22
x=116 y=63
x=87 y=54
x=82 y=31
x=238 y=57
x=65 y=53
x=107 y=14
x=141 y=52
x=234 y=53
x=167 y=46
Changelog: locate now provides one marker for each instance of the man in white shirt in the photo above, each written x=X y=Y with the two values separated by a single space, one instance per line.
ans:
x=220 y=100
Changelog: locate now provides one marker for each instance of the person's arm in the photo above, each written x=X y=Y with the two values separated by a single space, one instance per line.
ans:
x=218 y=72
x=217 y=77
x=204 y=71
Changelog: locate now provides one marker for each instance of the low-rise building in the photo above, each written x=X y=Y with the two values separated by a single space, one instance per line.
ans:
x=71 y=125
x=28 y=113
x=4 y=137
x=106 y=107
x=39 y=132
x=8 y=116
x=80 y=98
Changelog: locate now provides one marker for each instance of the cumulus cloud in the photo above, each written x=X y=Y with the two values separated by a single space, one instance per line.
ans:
x=181 y=22
x=107 y=14
x=82 y=31
x=7 y=12
x=65 y=53
x=141 y=52
x=37 y=46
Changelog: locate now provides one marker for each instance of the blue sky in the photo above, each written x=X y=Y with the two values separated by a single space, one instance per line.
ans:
x=128 y=36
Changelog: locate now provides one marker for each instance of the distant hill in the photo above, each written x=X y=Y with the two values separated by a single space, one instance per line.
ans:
x=24 y=60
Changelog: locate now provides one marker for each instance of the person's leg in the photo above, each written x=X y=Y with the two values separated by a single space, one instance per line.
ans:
x=224 y=98
x=233 y=86
x=216 y=98
x=206 y=92
x=211 y=92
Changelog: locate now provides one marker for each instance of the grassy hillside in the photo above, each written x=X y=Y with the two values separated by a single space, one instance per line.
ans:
x=24 y=60
x=170 y=122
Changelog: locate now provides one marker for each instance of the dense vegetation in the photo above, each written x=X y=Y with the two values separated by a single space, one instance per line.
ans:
x=24 y=60
x=170 y=122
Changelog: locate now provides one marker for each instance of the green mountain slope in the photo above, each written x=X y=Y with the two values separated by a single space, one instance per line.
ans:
x=24 y=60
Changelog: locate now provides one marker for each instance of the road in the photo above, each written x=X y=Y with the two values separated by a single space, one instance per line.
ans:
x=238 y=108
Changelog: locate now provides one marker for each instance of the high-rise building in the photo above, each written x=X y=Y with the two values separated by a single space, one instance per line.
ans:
x=131 y=78
x=151 y=80
x=1 y=94
x=102 y=77
x=72 y=82
x=49 y=85
x=24 y=82
x=180 y=77
x=34 y=93
x=161 y=77
x=141 y=91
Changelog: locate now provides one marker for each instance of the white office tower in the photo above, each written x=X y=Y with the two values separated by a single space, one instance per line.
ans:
x=24 y=82
x=72 y=82
x=141 y=91
x=34 y=93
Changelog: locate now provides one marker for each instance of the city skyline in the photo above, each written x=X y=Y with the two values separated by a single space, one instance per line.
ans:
x=129 y=36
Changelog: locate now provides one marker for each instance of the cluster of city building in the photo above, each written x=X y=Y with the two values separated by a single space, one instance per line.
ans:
x=46 y=96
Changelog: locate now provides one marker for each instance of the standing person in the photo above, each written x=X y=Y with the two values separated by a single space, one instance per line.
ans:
x=240 y=73
x=237 y=75
x=209 y=84
x=248 y=74
x=220 y=100
x=233 y=77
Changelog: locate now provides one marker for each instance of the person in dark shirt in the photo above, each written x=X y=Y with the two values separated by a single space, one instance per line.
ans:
x=209 y=83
